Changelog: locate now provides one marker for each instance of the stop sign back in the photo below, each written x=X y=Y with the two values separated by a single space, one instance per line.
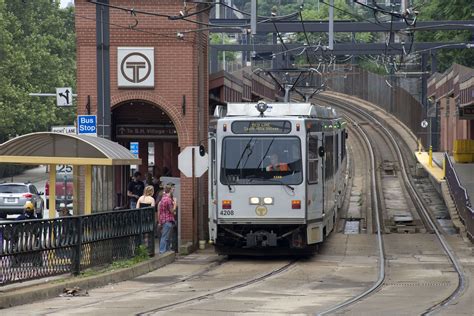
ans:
x=185 y=162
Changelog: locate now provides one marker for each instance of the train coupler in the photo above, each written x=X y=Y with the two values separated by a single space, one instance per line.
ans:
x=261 y=239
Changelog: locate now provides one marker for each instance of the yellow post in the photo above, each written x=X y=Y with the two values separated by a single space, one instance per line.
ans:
x=444 y=168
x=419 y=145
x=430 y=160
x=52 y=191
x=75 y=181
x=88 y=191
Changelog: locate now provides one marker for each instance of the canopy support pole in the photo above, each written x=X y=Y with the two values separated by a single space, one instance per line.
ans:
x=52 y=191
x=88 y=191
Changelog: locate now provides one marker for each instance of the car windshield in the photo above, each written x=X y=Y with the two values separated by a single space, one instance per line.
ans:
x=11 y=188
x=261 y=160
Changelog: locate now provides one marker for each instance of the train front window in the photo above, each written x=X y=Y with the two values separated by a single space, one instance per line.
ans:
x=261 y=160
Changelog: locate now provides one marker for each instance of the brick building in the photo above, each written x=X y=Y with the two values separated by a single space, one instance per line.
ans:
x=158 y=89
x=453 y=95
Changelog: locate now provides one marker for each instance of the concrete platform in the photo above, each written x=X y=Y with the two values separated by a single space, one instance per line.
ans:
x=436 y=170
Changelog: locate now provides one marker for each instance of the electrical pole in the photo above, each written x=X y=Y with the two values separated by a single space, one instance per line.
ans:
x=253 y=17
x=331 y=25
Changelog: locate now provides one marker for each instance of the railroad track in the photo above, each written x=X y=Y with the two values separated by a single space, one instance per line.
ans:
x=232 y=287
x=376 y=197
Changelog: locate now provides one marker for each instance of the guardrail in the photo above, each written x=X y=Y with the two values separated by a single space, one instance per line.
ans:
x=461 y=199
x=39 y=248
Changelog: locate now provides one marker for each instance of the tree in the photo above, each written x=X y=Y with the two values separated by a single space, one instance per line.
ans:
x=436 y=10
x=37 y=54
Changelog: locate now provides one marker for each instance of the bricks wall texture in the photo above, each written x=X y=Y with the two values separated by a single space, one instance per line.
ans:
x=180 y=69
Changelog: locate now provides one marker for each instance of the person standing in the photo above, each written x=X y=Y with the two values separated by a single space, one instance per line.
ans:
x=135 y=189
x=28 y=212
x=63 y=210
x=167 y=210
x=146 y=200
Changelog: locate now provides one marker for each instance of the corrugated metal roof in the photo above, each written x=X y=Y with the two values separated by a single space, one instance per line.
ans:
x=48 y=144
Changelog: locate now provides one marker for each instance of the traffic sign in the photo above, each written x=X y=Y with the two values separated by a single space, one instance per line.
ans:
x=87 y=125
x=64 y=96
x=71 y=129
x=134 y=148
x=424 y=123
x=185 y=162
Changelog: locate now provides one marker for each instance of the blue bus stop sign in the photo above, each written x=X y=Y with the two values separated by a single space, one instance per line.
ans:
x=134 y=148
x=87 y=125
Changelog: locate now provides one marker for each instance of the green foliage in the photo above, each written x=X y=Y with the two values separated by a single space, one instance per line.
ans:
x=220 y=38
x=37 y=54
x=437 y=10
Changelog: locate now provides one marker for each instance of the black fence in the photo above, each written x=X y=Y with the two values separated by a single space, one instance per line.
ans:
x=40 y=248
x=461 y=199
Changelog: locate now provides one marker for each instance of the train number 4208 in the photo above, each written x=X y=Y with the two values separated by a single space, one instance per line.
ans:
x=227 y=212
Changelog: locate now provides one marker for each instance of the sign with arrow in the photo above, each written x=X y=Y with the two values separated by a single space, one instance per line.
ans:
x=64 y=96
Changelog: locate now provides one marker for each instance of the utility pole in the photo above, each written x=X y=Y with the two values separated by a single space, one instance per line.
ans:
x=103 y=69
x=331 y=25
x=253 y=17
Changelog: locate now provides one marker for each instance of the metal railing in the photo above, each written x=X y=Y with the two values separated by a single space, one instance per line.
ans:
x=461 y=199
x=34 y=249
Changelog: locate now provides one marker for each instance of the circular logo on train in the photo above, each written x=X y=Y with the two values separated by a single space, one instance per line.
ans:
x=261 y=210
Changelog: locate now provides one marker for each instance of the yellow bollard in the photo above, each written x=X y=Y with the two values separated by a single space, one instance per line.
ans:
x=419 y=145
x=430 y=159
x=444 y=168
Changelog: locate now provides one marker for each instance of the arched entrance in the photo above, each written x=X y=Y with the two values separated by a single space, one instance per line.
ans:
x=142 y=122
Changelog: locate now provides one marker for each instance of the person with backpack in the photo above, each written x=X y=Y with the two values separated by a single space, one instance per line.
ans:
x=167 y=210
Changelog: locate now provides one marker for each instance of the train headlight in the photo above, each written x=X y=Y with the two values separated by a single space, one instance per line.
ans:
x=254 y=200
x=268 y=200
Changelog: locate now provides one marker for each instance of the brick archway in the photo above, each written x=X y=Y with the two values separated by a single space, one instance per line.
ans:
x=158 y=101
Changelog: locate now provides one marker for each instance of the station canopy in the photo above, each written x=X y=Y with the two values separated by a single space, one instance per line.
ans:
x=55 y=148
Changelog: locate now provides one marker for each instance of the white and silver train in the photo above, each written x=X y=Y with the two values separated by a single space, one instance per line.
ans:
x=276 y=176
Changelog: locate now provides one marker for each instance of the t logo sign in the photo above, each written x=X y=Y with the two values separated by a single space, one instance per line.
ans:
x=135 y=67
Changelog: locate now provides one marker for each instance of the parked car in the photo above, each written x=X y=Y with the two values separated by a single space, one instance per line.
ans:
x=64 y=190
x=13 y=197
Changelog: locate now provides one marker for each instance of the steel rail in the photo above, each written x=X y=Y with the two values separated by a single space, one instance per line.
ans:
x=257 y=279
x=447 y=249
x=191 y=276
x=374 y=196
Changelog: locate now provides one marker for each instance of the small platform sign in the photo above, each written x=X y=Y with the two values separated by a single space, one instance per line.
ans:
x=87 y=125
x=424 y=123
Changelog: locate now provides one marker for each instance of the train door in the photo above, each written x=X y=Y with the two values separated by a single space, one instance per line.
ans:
x=212 y=187
x=314 y=176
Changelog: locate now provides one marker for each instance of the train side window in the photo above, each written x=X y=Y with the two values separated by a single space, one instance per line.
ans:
x=329 y=149
x=313 y=159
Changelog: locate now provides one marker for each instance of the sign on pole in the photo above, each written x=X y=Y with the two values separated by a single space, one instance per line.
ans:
x=424 y=123
x=87 y=125
x=71 y=129
x=134 y=148
x=64 y=96
x=185 y=162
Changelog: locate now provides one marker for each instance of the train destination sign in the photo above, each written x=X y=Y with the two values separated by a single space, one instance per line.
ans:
x=261 y=127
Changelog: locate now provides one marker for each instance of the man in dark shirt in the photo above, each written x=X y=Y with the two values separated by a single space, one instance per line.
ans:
x=135 y=189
